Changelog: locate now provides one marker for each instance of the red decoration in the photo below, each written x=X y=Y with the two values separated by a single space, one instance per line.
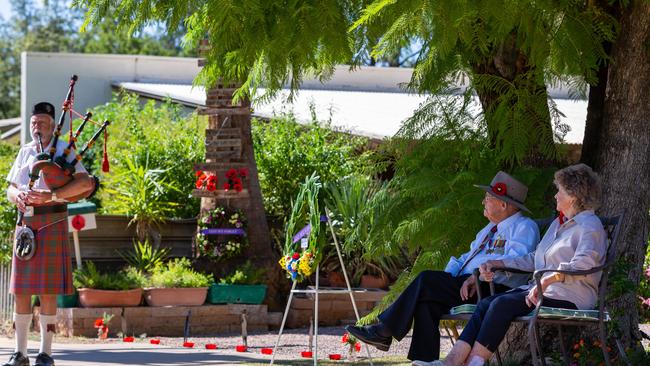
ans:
x=155 y=341
x=267 y=351
x=106 y=165
x=238 y=187
x=199 y=173
x=128 y=339
x=240 y=348
x=78 y=222
x=295 y=255
x=211 y=187
x=243 y=172
x=231 y=173
x=335 y=356
x=500 y=189
x=226 y=186
x=99 y=323
x=188 y=344
x=345 y=338
x=306 y=354
x=210 y=346
x=357 y=346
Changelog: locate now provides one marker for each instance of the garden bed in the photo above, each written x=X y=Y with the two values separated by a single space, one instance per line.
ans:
x=164 y=321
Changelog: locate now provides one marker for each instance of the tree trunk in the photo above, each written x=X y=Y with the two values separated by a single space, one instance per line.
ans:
x=623 y=154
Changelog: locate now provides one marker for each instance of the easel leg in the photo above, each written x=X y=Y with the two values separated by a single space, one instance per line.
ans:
x=284 y=319
x=347 y=280
x=316 y=319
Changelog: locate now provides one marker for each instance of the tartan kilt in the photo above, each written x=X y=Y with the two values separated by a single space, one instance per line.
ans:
x=49 y=271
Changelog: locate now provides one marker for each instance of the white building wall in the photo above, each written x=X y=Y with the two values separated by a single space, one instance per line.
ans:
x=45 y=77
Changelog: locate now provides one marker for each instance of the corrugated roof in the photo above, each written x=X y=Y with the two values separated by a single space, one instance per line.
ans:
x=373 y=114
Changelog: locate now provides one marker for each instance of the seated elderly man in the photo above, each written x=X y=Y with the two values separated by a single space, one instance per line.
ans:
x=433 y=293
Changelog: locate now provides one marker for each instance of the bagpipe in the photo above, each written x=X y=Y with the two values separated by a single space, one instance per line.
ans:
x=57 y=171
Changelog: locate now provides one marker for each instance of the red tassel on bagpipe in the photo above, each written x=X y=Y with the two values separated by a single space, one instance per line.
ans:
x=105 y=164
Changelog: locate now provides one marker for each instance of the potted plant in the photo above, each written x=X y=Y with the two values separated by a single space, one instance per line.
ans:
x=176 y=284
x=116 y=289
x=243 y=286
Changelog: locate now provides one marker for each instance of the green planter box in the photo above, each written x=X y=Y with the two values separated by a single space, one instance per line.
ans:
x=236 y=294
x=67 y=301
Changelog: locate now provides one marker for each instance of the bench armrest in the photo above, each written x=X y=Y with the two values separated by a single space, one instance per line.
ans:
x=538 y=274
x=511 y=270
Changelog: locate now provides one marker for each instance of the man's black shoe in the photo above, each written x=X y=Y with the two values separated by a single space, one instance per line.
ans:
x=43 y=359
x=368 y=335
x=17 y=359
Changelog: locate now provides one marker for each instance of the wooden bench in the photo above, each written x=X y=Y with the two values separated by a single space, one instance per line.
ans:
x=566 y=317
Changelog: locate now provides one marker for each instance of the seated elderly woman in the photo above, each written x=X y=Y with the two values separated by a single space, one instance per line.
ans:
x=576 y=240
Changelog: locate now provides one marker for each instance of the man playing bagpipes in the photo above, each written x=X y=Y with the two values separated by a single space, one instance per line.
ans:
x=45 y=176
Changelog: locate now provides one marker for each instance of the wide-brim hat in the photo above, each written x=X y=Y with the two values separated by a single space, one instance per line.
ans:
x=507 y=189
x=43 y=108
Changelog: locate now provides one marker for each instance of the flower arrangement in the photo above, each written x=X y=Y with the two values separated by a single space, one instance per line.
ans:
x=235 y=179
x=353 y=344
x=299 y=265
x=222 y=234
x=206 y=181
x=102 y=325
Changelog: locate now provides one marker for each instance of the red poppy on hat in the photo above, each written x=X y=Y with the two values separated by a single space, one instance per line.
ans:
x=500 y=189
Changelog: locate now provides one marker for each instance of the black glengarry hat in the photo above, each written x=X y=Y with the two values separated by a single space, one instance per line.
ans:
x=43 y=108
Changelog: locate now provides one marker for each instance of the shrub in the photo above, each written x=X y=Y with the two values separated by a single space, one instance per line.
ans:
x=287 y=152
x=153 y=135
x=144 y=257
x=247 y=274
x=90 y=277
x=178 y=273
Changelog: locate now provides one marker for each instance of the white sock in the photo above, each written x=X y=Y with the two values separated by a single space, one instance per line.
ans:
x=476 y=361
x=21 y=326
x=48 y=328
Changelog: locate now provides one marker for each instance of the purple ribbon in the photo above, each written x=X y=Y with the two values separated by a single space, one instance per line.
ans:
x=240 y=232
x=306 y=230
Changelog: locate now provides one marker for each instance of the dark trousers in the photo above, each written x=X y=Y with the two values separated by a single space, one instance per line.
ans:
x=424 y=301
x=493 y=315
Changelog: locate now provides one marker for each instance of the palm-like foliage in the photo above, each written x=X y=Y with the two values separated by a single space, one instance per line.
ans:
x=137 y=192
x=145 y=257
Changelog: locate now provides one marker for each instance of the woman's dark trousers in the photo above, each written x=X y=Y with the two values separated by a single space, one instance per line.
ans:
x=493 y=315
x=424 y=301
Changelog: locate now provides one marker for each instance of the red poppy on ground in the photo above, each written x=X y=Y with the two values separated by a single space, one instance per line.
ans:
x=240 y=348
x=243 y=172
x=335 y=356
x=155 y=341
x=267 y=351
x=128 y=339
x=238 y=187
x=210 y=346
x=306 y=354
x=296 y=256
x=345 y=338
x=357 y=346
x=188 y=344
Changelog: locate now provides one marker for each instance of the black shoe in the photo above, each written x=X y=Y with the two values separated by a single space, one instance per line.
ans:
x=43 y=359
x=369 y=335
x=17 y=359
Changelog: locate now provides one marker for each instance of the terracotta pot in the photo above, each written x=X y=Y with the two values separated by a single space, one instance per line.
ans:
x=175 y=296
x=370 y=281
x=93 y=298
x=336 y=279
